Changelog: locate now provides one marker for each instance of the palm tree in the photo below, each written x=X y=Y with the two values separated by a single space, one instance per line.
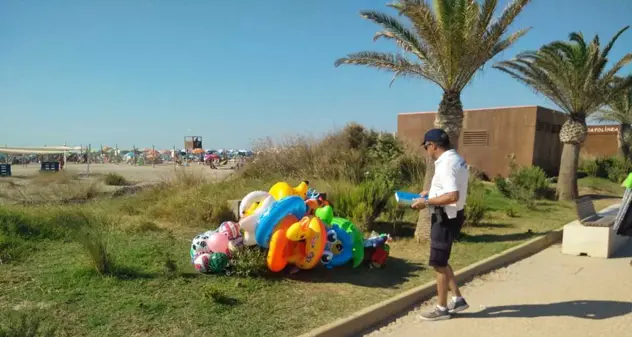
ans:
x=619 y=110
x=572 y=75
x=449 y=45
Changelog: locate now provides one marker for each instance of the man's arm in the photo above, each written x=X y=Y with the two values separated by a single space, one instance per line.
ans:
x=444 y=199
x=448 y=181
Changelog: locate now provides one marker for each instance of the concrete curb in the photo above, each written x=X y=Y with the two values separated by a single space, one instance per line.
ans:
x=371 y=316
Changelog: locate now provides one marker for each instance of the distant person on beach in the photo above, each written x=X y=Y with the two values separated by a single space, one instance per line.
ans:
x=445 y=201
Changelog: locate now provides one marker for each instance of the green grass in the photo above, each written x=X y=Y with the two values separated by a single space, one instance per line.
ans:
x=152 y=290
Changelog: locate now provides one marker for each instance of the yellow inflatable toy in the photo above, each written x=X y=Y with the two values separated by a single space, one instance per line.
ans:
x=281 y=249
x=313 y=231
x=282 y=189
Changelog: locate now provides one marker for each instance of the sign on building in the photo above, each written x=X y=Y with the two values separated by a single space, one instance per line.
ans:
x=603 y=129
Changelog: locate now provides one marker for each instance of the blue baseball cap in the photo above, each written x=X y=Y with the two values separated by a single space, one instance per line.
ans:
x=436 y=136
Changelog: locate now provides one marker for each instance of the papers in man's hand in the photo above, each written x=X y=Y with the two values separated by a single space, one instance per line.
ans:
x=406 y=198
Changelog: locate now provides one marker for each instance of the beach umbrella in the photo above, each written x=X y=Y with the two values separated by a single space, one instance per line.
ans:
x=197 y=151
x=165 y=151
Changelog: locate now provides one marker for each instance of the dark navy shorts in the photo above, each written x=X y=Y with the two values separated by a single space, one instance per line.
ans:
x=442 y=235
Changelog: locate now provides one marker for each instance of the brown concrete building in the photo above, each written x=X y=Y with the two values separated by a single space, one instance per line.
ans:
x=491 y=135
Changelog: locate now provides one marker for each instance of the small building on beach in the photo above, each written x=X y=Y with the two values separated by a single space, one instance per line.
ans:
x=491 y=135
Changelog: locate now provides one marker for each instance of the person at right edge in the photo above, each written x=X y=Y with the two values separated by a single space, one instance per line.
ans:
x=445 y=201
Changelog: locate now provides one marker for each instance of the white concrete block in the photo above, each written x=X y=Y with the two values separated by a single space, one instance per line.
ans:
x=592 y=241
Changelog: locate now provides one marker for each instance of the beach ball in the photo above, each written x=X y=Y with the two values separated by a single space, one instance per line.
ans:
x=200 y=244
x=218 y=243
x=202 y=263
x=218 y=262
x=230 y=229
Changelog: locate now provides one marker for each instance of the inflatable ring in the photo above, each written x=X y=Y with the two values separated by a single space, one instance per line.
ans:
x=292 y=205
x=356 y=237
x=250 y=223
x=314 y=232
x=282 y=190
x=280 y=247
x=251 y=200
x=338 y=249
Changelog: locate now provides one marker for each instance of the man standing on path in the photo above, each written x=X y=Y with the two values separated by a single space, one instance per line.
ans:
x=445 y=201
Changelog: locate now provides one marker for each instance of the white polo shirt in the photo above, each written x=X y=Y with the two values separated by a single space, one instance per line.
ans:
x=450 y=175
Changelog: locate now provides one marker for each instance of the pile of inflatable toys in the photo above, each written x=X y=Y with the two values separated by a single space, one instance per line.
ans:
x=298 y=228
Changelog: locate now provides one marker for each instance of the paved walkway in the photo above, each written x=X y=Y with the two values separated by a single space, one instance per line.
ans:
x=548 y=294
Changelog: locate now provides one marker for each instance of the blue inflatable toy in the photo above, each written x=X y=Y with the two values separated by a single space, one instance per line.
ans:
x=339 y=247
x=292 y=205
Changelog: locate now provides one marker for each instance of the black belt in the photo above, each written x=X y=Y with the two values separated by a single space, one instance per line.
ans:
x=439 y=211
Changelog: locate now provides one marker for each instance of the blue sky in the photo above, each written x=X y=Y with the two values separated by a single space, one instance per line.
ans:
x=146 y=72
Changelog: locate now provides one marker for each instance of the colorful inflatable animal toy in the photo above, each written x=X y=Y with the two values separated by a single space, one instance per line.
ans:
x=292 y=205
x=282 y=189
x=251 y=208
x=313 y=231
x=379 y=256
x=377 y=240
x=338 y=249
x=356 y=236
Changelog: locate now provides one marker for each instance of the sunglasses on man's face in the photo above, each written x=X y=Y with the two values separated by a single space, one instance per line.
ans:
x=425 y=145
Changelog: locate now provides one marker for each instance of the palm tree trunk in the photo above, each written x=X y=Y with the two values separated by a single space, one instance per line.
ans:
x=567 y=180
x=572 y=135
x=449 y=118
x=624 y=136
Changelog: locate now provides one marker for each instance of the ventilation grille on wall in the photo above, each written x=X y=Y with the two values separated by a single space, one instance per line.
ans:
x=478 y=138
x=547 y=127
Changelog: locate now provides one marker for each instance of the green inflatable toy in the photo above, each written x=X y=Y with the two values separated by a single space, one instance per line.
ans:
x=218 y=262
x=356 y=236
x=326 y=214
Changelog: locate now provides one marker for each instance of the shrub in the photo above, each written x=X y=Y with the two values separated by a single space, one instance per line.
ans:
x=93 y=238
x=590 y=167
x=362 y=203
x=249 y=261
x=502 y=186
x=524 y=183
x=614 y=168
x=512 y=211
x=95 y=246
x=114 y=179
x=476 y=205
x=351 y=154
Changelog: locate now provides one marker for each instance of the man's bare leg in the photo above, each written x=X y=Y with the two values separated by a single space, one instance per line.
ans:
x=458 y=303
x=441 y=311
x=442 y=285
x=454 y=287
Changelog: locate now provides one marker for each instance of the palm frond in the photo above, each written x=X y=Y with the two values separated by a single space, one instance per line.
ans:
x=608 y=47
x=390 y=62
x=450 y=39
x=571 y=74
